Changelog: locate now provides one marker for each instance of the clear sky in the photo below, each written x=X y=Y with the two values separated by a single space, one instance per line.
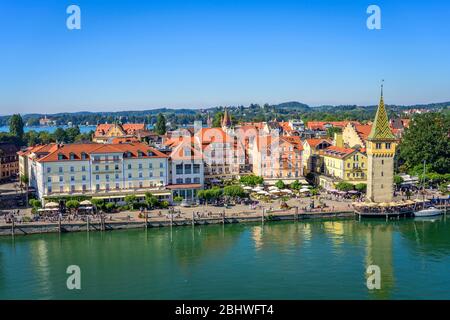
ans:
x=135 y=54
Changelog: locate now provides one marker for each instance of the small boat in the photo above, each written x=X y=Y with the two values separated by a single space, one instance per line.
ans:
x=428 y=212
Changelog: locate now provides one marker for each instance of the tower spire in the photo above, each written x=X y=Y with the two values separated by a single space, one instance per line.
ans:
x=380 y=128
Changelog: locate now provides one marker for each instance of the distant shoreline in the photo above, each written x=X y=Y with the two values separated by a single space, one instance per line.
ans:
x=51 y=129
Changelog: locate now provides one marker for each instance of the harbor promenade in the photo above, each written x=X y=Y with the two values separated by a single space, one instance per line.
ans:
x=298 y=209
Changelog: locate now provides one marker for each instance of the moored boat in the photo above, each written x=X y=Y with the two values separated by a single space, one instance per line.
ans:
x=428 y=212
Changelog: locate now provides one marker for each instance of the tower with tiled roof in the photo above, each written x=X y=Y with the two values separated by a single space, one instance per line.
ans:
x=381 y=144
x=226 y=120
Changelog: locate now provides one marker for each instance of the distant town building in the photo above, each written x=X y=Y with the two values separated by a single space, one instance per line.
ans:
x=46 y=122
x=9 y=161
x=105 y=133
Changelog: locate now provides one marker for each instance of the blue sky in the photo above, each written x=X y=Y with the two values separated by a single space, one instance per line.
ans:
x=145 y=54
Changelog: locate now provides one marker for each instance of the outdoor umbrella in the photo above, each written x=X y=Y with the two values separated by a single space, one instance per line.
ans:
x=51 y=205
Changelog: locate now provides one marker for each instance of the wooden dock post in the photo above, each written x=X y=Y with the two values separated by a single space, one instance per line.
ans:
x=193 y=218
x=13 y=226
x=387 y=217
x=171 y=219
x=223 y=217
x=102 y=222
x=296 y=214
x=146 y=219
x=262 y=215
x=59 y=223
x=87 y=223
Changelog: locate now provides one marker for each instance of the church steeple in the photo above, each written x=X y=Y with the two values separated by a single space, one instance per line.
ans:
x=226 y=120
x=380 y=128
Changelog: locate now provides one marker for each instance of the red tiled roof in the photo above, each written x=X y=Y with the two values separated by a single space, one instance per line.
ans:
x=320 y=125
x=338 y=152
x=94 y=148
x=363 y=130
x=129 y=128
x=210 y=135
x=315 y=141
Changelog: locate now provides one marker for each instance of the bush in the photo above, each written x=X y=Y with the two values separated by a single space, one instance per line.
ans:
x=398 y=180
x=151 y=200
x=361 y=187
x=233 y=191
x=344 y=186
x=36 y=204
x=72 y=204
x=98 y=203
x=164 y=205
x=251 y=180
x=280 y=184
x=296 y=185
x=178 y=199
x=110 y=207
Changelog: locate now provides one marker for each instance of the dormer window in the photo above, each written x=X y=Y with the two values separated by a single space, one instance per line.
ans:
x=72 y=156
x=60 y=156
x=83 y=155
x=150 y=153
x=140 y=154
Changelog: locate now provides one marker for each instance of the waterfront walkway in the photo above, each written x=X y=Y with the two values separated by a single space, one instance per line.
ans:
x=298 y=209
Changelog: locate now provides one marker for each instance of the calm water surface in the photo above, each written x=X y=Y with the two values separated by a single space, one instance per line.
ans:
x=50 y=129
x=296 y=260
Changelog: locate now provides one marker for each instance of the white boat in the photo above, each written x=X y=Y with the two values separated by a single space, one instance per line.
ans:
x=428 y=212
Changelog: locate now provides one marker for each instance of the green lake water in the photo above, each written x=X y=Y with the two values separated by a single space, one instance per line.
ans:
x=296 y=260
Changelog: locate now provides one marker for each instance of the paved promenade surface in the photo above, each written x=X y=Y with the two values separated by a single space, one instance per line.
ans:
x=203 y=211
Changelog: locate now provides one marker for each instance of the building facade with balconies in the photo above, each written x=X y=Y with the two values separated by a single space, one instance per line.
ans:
x=108 y=171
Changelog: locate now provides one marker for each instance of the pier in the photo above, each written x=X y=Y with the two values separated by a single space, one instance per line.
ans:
x=103 y=225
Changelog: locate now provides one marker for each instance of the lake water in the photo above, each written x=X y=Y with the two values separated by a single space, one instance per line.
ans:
x=51 y=129
x=294 y=260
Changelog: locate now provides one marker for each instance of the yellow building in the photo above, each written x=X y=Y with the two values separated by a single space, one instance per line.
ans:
x=344 y=164
x=311 y=149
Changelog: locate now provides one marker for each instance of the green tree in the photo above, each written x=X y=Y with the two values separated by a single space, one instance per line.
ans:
x=427 y=139
x=233 y=191
x=160 y=127
x=217 y=120
x=16 y=126
x=151 y=200
x=60 y=135
x=72 y=133
x=398 y=180
x=131 y=201
x=344 y=186
x=35 y=203
x=110 y=206
x=280 y=184
x=98 y=203
x=296 y=185
x=332 y=130
x=251 y=180
x=72 y=204
x=361 y=187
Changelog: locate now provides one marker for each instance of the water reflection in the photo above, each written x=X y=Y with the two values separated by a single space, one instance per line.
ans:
x=306 y=259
